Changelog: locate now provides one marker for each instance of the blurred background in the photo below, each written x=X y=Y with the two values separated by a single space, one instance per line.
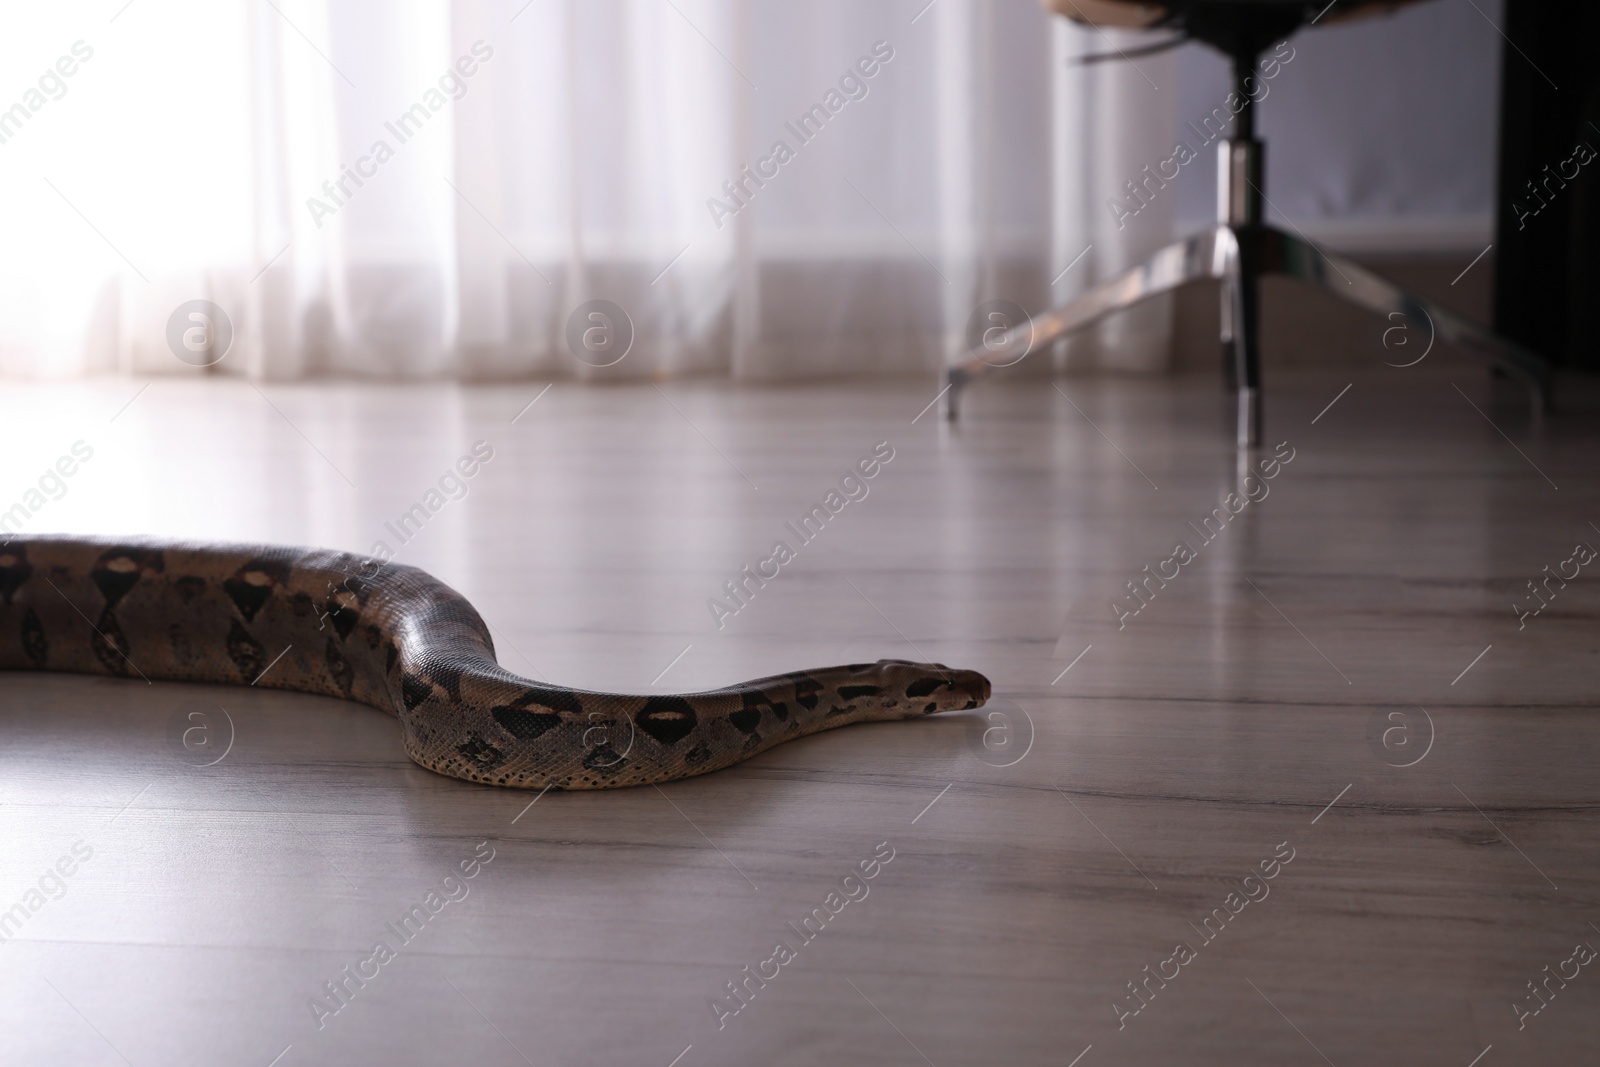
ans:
x=428 y=188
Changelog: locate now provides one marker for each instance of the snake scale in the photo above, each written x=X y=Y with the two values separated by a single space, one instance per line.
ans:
x=394 y=637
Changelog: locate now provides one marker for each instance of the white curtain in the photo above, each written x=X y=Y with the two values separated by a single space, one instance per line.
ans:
x=426 y=188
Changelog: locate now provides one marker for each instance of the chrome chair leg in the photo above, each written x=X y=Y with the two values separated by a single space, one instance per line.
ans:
x=1244 y=284
x=1286 y=254
x=1225 y=300
x=1204 y=255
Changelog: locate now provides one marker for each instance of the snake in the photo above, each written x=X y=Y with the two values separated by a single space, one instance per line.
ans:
x=394 y=637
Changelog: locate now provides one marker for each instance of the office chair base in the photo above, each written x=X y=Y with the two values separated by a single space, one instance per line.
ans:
x=1238 y=257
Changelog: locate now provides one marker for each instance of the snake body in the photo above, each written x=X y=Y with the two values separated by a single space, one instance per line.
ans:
x=394 y=637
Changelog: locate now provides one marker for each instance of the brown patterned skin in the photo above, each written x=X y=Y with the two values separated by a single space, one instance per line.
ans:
x=396 y=638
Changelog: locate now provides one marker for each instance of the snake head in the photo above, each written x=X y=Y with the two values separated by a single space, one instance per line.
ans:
x=933 y=687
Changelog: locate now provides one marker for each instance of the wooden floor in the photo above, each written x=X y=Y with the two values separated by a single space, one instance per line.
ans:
x=1339 y=676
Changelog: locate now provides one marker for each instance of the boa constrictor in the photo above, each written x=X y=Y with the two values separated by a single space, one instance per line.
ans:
x=394 y=637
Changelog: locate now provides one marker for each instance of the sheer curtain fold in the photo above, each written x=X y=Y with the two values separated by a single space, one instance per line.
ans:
x=427 y=188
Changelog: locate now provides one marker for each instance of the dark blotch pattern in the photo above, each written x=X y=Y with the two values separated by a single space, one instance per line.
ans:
x=748 y=719
x=414 y=690
x=119 y=570
x=14 y=570
x=667 y=719
x=110 y=644
x=605 y=759
x=344 y=676
x=480 y=753
x=524 y=725
x=923 y=686
x=33 y=639
x=343 y=619
x=252 y=585
x=246 y=653
x=554 y=699
x=805 y=692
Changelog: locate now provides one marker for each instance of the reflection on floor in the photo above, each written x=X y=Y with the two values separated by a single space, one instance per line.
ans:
x=1304 y=770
